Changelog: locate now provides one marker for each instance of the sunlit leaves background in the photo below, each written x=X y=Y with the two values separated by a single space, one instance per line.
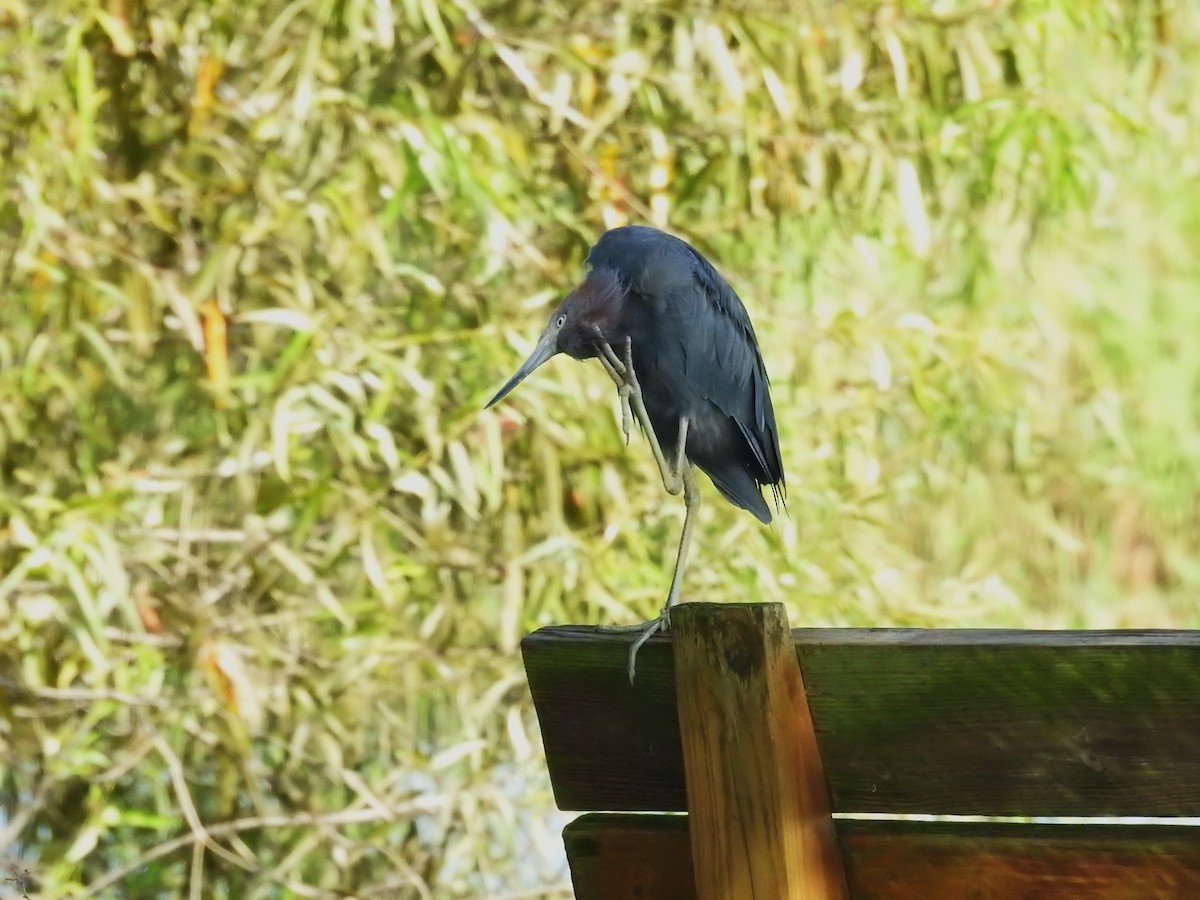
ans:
x=264 y=562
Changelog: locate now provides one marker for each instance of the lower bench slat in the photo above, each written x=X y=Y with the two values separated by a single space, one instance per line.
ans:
x=621 y=855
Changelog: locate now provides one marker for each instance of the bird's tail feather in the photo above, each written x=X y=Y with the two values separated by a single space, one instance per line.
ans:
x=739 y=488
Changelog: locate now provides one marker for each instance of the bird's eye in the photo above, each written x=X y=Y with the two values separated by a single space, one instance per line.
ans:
x=562 y=320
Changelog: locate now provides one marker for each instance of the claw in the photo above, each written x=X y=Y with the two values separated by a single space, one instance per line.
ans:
x=644 y=631
x=626 y=411
x=621 y=372
x=662 y=623
x=630 y=373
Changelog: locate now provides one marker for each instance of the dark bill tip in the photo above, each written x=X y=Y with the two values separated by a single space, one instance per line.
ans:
x=543 y=351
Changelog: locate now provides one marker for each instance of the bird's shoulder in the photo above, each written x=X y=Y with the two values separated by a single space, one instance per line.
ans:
x=721 y=297
x=667 y=273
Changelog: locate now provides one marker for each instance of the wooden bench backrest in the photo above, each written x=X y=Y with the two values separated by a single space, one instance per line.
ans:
x=938 y=723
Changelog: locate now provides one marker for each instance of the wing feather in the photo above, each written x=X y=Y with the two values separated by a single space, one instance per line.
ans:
x=737 y=384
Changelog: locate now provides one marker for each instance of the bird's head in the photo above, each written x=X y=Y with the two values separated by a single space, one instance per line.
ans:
x=587 y=316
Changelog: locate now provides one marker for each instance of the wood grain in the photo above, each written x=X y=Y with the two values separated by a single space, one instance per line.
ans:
x=619 y=856
x=757 y=800
x=905 y=860
x=1001 y=723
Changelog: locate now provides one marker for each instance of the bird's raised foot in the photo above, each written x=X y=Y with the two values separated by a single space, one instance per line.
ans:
x=612 y=362
x=626 y=410
x=629 y=373
x=620 y=372
x=644 y=631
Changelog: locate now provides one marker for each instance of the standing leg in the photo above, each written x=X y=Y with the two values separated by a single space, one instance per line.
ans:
x=676 y=475
x=691 y=500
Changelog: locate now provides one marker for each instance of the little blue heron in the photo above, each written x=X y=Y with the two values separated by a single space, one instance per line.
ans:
x=678 y=343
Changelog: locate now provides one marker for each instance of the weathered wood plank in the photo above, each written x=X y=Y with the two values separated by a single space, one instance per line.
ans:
x=947 y=721
x=899 y=860
x=757 y=800
x=925 y=860
x=609 y=745
x=619 y=856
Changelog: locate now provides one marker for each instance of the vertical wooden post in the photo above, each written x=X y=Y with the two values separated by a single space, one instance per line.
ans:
x=758 y=804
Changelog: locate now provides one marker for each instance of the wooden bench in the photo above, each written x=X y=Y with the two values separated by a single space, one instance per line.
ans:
x=900 y=764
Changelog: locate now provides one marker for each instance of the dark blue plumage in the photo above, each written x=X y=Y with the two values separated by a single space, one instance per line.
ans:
x=695 y=354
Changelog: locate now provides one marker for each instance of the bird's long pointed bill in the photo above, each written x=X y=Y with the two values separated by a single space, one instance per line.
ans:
x=543 y=351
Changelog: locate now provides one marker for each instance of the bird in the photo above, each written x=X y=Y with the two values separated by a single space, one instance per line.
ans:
x=677 y=342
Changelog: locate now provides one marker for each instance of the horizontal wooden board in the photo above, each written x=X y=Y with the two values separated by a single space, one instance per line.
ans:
x=618 y=856
x=999 y=723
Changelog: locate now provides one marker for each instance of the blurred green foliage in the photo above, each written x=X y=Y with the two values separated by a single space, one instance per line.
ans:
x=264 y=563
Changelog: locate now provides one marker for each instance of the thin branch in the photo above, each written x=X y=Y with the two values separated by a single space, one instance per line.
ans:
x=203 y=840
x=200 y=535
x=12 y=831
x=76 y=695
x=252 y=823
x=627 y=196
x=516 y=64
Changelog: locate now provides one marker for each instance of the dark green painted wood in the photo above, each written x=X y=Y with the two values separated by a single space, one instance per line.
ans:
x=619 y=856
x=999 y=723
x=609 y=745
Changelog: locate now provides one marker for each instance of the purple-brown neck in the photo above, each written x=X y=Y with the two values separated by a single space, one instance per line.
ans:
x=593 y=312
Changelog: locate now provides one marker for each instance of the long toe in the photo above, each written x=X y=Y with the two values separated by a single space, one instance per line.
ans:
x=649 y=629
x=643 y=630
x=628 y=629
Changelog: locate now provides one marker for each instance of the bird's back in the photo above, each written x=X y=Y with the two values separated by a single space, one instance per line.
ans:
x=696 y=354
